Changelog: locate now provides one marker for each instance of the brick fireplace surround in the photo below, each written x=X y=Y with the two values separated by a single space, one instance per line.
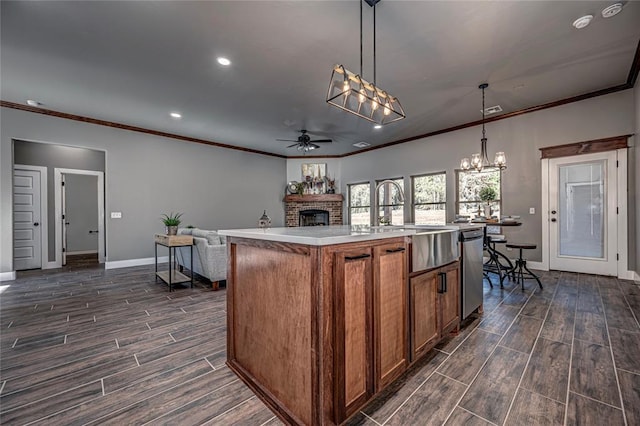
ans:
x=330 y=202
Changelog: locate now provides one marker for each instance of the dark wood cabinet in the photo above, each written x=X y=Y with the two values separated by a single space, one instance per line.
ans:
x=435 y=307
x=318 y=331
x=371 y=322
x=353 y=332
x=390 y=312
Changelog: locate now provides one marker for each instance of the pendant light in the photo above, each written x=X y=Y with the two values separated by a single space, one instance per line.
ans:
x=350 y=92
x=480 y=162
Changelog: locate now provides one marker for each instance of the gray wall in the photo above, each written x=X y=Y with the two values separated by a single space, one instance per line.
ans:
x=146 y=176
x=634 y=189
x=520 y=137
x=55 y=156
x=81 y=212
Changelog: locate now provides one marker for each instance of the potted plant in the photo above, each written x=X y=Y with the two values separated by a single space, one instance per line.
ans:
x=487 y=194
x=171 y=221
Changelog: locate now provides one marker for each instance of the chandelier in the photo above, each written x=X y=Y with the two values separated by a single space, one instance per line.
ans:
x=350 y=92
x=480 y=161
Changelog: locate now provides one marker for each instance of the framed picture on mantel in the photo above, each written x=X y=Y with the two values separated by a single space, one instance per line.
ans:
x=313 y=175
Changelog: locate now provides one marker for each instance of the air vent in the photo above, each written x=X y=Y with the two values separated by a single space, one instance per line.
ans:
x=362 y=144
x=492 y=110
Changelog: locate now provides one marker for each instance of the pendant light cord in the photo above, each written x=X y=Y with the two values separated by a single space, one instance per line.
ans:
x=483 y=131
x=360 y=38
x=374 y=42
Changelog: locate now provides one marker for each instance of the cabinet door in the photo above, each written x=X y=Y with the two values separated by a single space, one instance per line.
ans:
x=425 y=324
x=389 y=312
x=450 y=297
x=353 y=331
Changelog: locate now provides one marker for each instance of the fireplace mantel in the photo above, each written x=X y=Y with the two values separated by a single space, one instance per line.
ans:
x=312 y=197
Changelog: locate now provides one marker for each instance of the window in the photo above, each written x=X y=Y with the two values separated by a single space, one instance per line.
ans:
x=390 y=209
x=429 y=198
x=359 y=204
x=470 y=183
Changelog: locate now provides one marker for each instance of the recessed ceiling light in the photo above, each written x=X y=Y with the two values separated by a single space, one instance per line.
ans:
x=582 y=21
x=175 y=115
x=378 y=126
x=612 y=10
x=362 y=144
x=31 y=102
x=224 y=61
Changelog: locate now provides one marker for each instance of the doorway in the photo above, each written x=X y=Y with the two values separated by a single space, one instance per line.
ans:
x=79 y=214
x=585 y=225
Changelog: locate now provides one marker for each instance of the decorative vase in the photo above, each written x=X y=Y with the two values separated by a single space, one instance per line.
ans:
x=172 y=230
x=487 y=210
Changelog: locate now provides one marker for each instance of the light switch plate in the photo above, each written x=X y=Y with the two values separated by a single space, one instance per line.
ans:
x=532 y=210
x=116 y=215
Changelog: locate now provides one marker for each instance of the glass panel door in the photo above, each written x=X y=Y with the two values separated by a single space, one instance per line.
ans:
x=581 y=210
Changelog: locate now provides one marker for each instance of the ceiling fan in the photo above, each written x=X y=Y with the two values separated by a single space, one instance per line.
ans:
x=304 y=142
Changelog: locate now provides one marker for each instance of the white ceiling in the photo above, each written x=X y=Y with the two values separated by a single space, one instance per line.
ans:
x=133 y=62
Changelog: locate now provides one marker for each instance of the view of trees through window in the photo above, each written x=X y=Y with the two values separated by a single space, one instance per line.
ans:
x=429 y=198
x=468 y=195
x=359 y=204
x=391 y=210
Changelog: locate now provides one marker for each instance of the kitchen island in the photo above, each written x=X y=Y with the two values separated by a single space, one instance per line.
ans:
x=321 y=319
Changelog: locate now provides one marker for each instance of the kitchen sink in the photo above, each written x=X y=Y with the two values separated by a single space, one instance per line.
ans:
x=432 y=248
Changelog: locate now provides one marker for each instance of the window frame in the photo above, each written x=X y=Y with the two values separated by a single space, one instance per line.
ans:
x=458 y=202
x=350 y=207
x=413 y=194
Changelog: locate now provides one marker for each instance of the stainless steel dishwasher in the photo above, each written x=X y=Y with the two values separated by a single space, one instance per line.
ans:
x=471 y=264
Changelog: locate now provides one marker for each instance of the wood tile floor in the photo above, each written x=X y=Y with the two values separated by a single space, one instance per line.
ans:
x=95 y=346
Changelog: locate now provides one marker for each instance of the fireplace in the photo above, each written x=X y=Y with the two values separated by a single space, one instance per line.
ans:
x=329 y=203
x=313 y=217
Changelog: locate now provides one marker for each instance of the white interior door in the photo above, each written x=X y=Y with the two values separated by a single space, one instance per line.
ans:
x=65 y=222
x=582 y=213
x=27 y=236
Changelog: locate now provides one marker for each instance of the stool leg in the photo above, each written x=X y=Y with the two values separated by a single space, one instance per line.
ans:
x=488 y=278
x=520 y=272
x=510 y=268
x=532 y=274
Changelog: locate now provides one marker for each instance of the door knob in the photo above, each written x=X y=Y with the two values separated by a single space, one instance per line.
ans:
x=553 y=219
x=553 y=212
x=36 y=224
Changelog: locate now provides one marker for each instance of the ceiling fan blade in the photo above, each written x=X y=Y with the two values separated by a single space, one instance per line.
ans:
x=287 y=140
x=322 y=140
x=292 y=145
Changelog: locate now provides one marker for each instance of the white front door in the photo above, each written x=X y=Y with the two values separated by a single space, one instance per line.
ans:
x=582 y=213
x=27 y=237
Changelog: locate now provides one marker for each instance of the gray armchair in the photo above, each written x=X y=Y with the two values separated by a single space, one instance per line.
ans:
x=209 y=255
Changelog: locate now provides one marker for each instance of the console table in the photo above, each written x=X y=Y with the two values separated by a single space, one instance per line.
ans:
x=172 y=276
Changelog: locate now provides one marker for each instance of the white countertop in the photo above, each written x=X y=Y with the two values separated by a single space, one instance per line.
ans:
x=338 y=234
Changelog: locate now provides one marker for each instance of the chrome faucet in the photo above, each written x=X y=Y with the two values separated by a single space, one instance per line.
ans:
x=375 y=200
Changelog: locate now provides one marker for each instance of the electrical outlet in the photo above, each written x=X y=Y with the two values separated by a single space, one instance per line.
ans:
x=532 y=210
x=116 y=215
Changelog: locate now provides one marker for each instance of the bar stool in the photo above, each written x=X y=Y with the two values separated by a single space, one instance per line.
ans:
x=498 y=262
x=521 y=271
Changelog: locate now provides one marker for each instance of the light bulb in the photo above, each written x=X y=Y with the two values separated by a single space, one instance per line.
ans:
x=387 y=108
x=475 y=160
x=465 y=164
x=346 y=88
x=500 y=159
x=374 y=105
x=362 y=96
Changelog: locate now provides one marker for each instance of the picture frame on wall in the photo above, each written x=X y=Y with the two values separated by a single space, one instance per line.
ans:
x=313 y=175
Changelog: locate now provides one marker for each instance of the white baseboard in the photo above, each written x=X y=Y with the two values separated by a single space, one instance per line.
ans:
x=629 y=275
x=540 y=266
x=71 y=253
x=636 y=276
x=135 y=262
x=8 y=276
